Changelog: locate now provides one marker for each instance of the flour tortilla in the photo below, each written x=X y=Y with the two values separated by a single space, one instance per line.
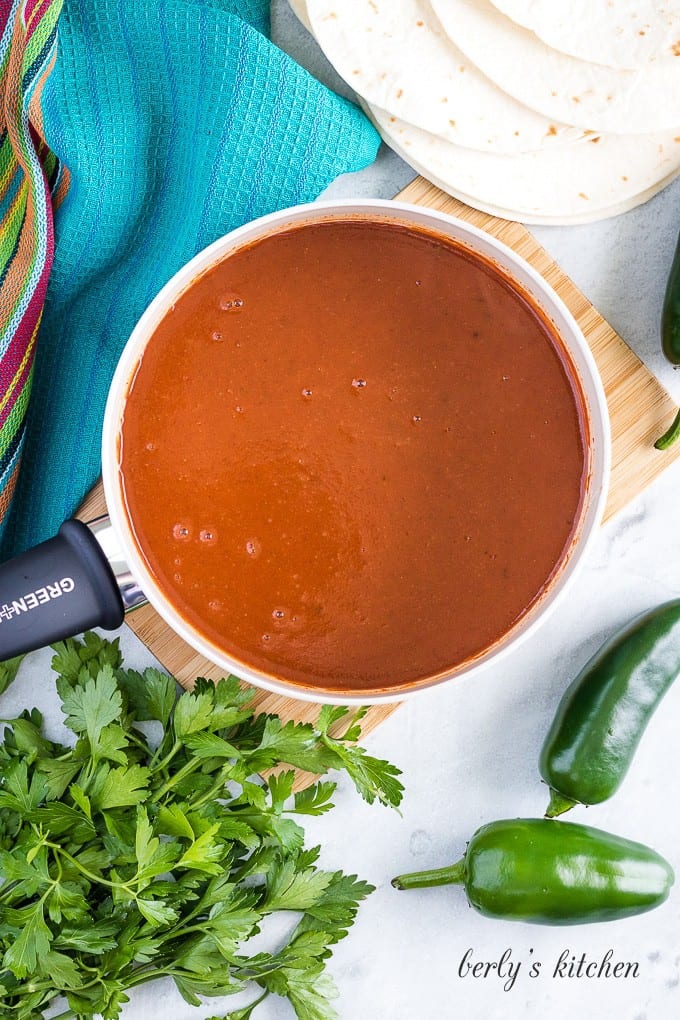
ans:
x=395 y=54
x=618 y=33
x=570 y=90
x=580 y=183
x=535 y=219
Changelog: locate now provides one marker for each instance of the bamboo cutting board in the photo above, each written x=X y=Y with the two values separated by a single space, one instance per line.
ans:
x=639 y=408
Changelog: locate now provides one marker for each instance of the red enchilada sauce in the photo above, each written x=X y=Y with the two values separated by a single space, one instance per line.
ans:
x=354 y=455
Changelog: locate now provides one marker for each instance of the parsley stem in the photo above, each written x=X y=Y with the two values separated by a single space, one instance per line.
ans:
x=182 y=773
x=214 y=789
x=89 y=874
x=54 y=988
x=6 y=890
x=168 y=758
x=141 y=744
x=256 y=1002
x=141 y=975
x=182 y=929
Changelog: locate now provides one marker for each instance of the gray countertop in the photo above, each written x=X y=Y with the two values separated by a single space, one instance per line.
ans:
x=469 y=750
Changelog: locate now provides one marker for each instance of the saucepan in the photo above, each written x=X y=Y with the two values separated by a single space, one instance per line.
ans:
x=92 y=574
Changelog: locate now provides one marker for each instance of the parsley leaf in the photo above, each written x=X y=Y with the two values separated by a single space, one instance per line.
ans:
x=122 y=787
x=310 y=991
x=315 y=800
x=150 y=695
x=123 y=861
x=290 y=889
x=90 y=708
x=32 y=943
x=374 y=779
x=8 y=671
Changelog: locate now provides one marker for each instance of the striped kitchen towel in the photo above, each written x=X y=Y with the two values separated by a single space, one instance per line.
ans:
x=133 y=135
x=31 y=178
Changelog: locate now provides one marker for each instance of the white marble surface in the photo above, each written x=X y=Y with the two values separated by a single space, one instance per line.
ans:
x=469 y=751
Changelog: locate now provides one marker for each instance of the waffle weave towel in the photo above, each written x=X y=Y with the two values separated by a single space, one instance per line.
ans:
x=133 y=135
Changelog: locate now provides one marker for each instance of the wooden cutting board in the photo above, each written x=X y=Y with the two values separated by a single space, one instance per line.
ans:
x=640 y=410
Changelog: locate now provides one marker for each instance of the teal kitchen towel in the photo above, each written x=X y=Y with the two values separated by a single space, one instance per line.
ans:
x=177 y=121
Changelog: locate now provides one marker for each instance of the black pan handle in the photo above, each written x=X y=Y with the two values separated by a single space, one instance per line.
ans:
x=56 y=590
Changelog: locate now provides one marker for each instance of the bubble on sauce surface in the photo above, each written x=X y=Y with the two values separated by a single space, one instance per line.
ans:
x=215 y=605
x=306 y=392
x=359 y=384
x=253 y=547
x=284 y=619
x=217 y=336
x=416 y=418
x=151 y=447
x=231 y=303
x=208 y=536
x=181 y=532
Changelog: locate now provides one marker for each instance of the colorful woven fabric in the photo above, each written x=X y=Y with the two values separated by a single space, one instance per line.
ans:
x=177 y=121
x=29 y=173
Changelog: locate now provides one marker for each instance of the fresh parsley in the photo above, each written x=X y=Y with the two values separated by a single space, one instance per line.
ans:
x=124 y=858
x=8 y=671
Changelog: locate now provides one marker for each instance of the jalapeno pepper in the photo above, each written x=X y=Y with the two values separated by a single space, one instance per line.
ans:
x=549 y=872
x=605 y=711
x=670 y=338
x=670 y=435
x=670 y=316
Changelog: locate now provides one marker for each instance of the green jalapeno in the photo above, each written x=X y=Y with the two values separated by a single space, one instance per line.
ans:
x=547 y=872
x=670 y=316
x=671 y=434
x=670 y=339
x=604 y=712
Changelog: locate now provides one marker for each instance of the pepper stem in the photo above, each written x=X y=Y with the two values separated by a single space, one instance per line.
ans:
x=454 y=874
x=559 y=804
x=669 y=437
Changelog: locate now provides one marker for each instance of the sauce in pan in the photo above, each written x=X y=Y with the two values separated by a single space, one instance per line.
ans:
x=354 y=455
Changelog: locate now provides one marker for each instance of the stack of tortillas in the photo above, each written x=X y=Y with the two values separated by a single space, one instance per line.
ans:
x=547 y=111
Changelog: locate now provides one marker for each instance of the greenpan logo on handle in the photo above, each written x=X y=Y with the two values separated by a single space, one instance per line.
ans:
x=33 y=599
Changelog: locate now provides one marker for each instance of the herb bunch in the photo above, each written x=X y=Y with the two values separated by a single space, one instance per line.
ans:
x=124 y=859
